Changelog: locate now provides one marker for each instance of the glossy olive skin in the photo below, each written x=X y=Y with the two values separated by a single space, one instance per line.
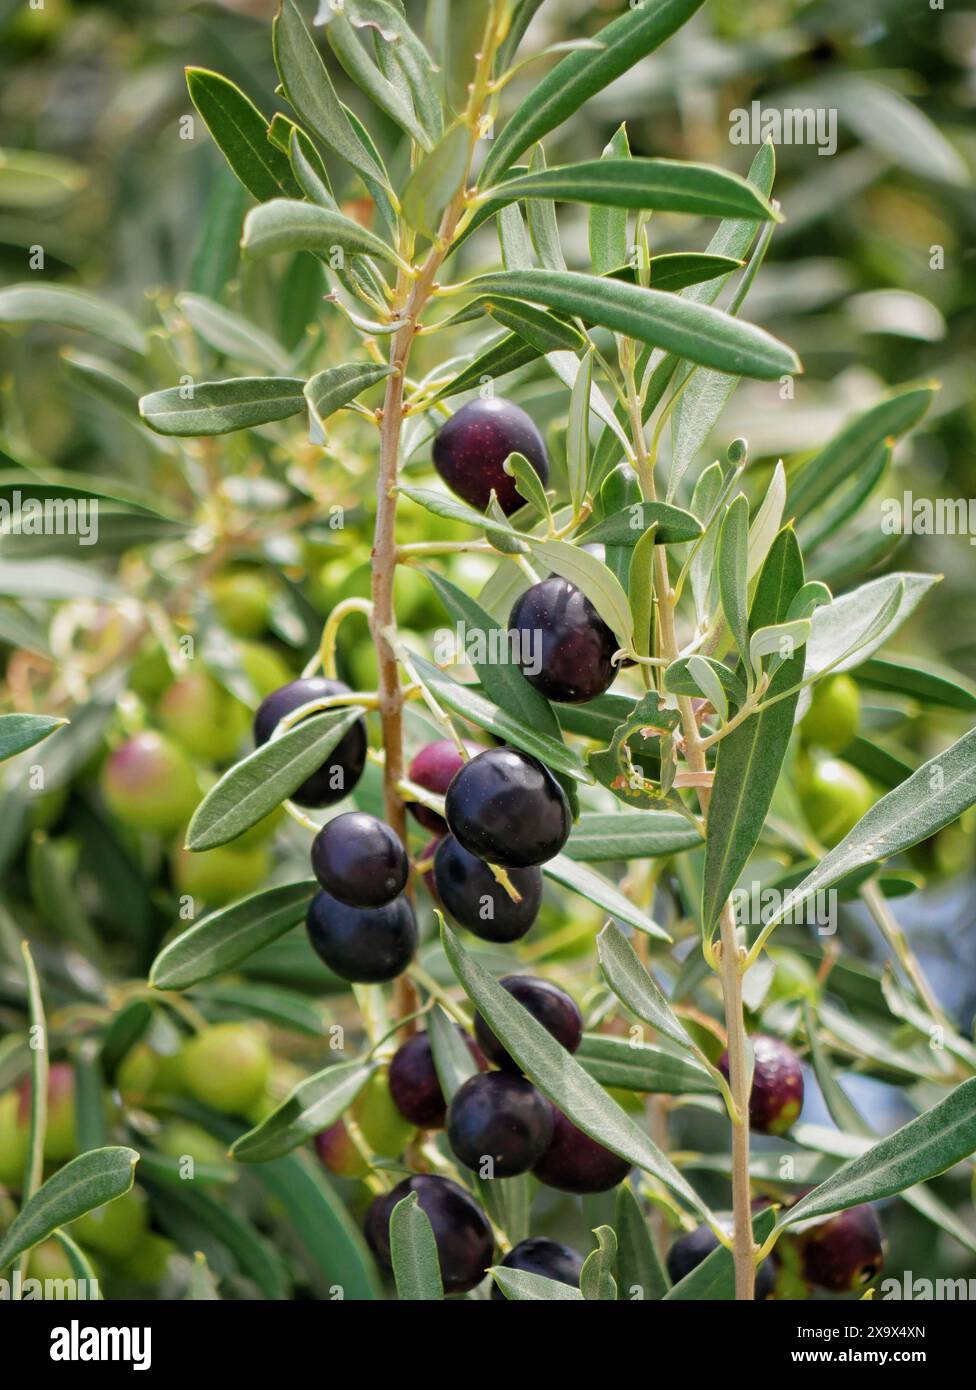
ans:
x=360 y=860
x=365 y=945
x=461 y=1232
x=471 y=448
x=564 y=647
x=500 y=1118
x=415 y=1085
x=776 y=1098
x=574 y=1162
x=338 y=776
x=548 y=1004
x=548 y=1258
x=507 y=808
x=844 y=1253
x=692 y=1247
x=468 y=890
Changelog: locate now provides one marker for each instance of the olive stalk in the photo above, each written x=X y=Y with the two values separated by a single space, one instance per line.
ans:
x=731 y=961
x=412 y=293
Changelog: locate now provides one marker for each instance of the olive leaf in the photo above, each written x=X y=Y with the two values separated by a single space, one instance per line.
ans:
x=217 y=407
x=267 y=777
x=563 y=1080
x=240 y=131
x=750 y=757
x=222 y=940
x=88 y=1181
x=922 y=1149
x=596 y=1276
x=18 y=732
x=413 y=1252
x=314 y=1105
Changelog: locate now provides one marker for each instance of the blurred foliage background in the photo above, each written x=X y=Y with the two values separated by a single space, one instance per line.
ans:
x=872 y=278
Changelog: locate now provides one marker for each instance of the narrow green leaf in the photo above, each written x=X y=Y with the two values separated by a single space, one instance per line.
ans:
x=519 y=1285
x=87 y=313
x=630 y=835
x=580 y=75
x=88 y=1181
x=680 y=678
x=240 y=132
x=642 y=1067
x=309 y=88
x=635 y=987
x=852 y=628
x=922 y=1149
x=224 y=939
x=367 y=76
x=453 y=1061
x=231 y=334
x=81 y=1268
x=528 y=483
x=596 y=1276
x=625 y=527
x=436 y=180
x=254 y=1254
x=749 y=759
x=931 y=798
x=600 y=891
x=316 y=1214
x=851 y=449
x=578 y=433
x=397 y=41
x=267 y=777
x=663 y=185
x=331 y=389
x=609 y=240
x=732 y=559
x=695 y=331
x=442 y=505
x=543 y=227
x=562 y=1079
x=640 y=1274
x=37 y=1130
x=19 y=732
x=909 y=679
x=314 y=1105
x=470 y=705
x=842 y=1111
x=218 y=407
x=413 y=1250
x=125 y=1030
x=287 y=225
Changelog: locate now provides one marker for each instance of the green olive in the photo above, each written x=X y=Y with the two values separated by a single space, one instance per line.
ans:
x=242 y=599
x=13 y=1141
x=116 y=1228
x=150 y=784
x=834 y=797
x=226 y=1067
x=832 y=720
x=218 y=876
x=203 y=718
